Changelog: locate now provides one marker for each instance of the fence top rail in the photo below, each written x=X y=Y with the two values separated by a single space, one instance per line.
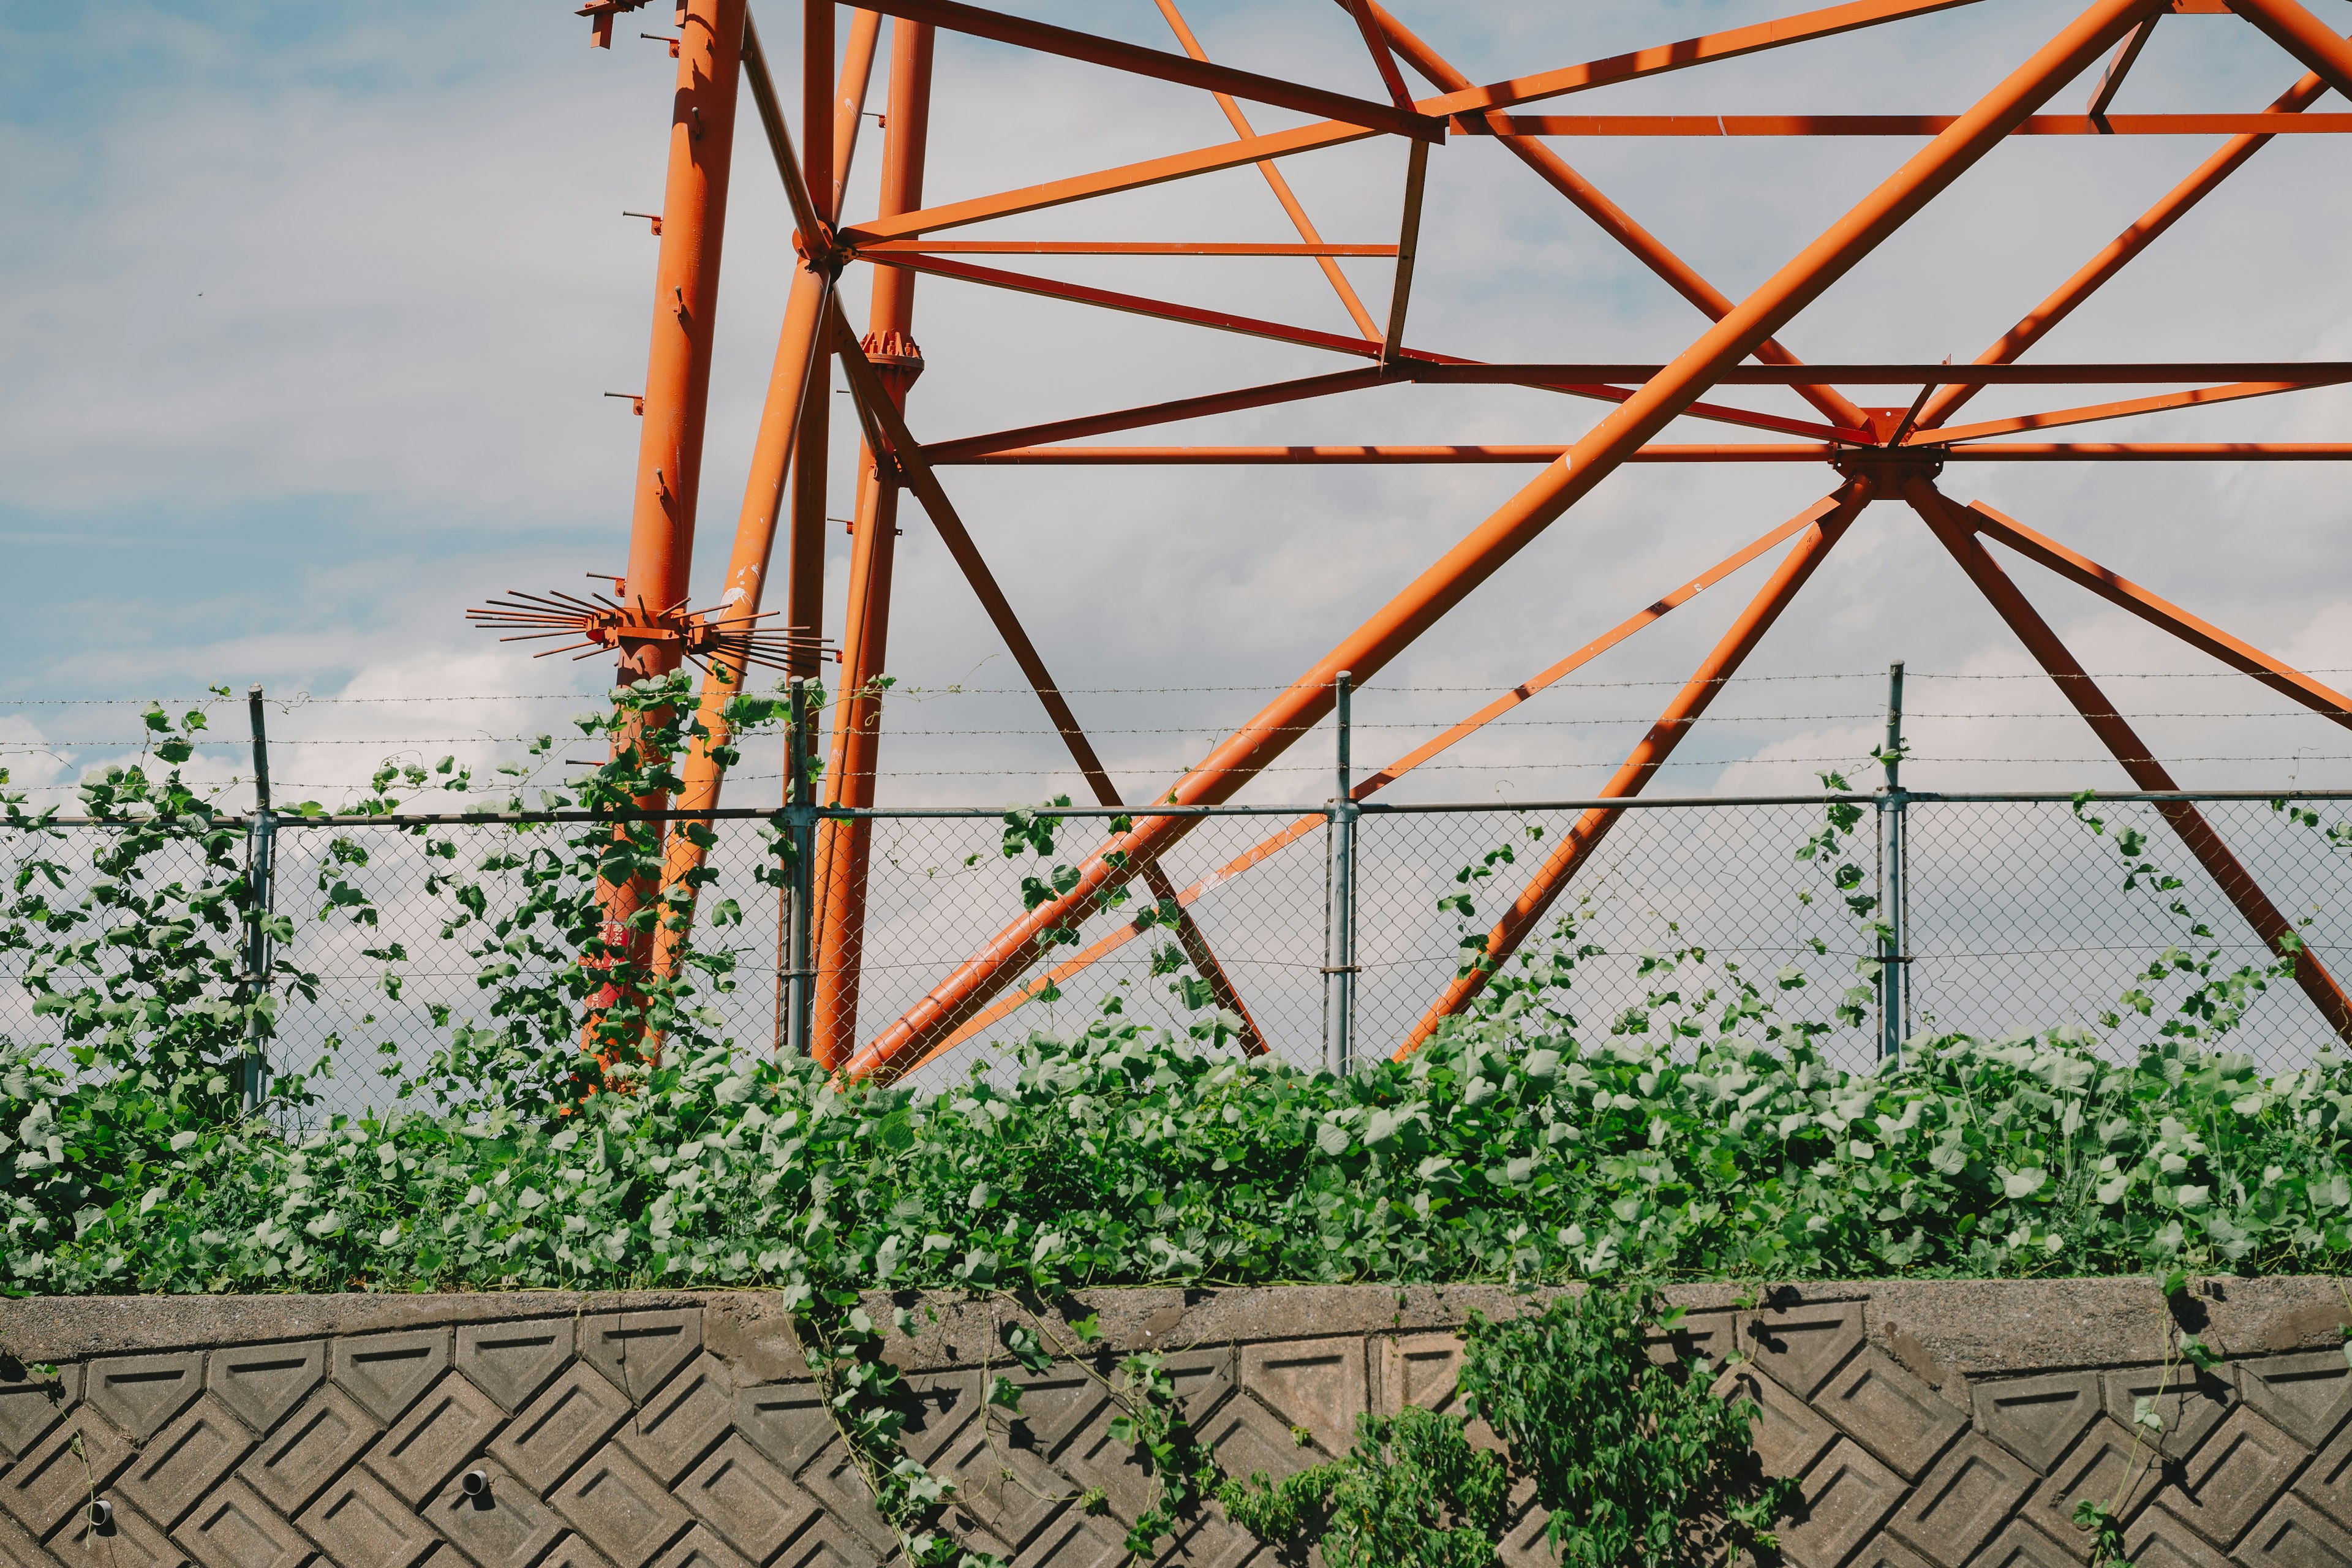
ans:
x=282 y=822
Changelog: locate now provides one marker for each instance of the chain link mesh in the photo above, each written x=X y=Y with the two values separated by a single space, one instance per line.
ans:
x=2019 y=918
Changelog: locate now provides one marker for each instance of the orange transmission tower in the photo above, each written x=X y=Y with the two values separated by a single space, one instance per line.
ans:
x=1894 y=448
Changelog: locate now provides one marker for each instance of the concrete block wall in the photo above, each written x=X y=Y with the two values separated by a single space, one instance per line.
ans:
x=1936 y=1425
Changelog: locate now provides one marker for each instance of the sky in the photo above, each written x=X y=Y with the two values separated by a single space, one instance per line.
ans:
x=309 y=314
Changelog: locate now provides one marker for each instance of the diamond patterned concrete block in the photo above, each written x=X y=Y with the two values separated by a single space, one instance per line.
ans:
x=1246 y=1441
x=936 y=1406
x=1075 y=1540
x=2327 y=1481
x=1787 y=1435
x=51 y=1481
x=1320 y=1384
x=1203 y=1379
x=1055 y=1407
x=2232 y=1477
x=503 y=1526
x=700 y=1548
x=2190 y=1402
x=233 y=1528
x=2038 y=1418
x=1847 y=1495
x=557 y=1430
x=785 y=1421
x=186 y=1459
x=639 y=1351
x=746 y=1499
x=2306 y=1396
x=1881 y=1551
x=613 y=1502
x=1708 y=1334
x=19 y=1550
x=2092 y=1470
x=439 y=1434
x=129 y=1539
x=570 y=1551
x=1802 y=1346
x=668 y=1432
x=1417 y=1369
x=385 y=1373
x=140 y=1392
x=2295 y=1535
x=310 y=1450
x=2156 y=1540
x=362 y=1525
x=2019 y=1546
x=263 y=1383
x=1889 y=1412
x=842 y=1492
x=1011 y=1507
x=512 y=1361
x=30 y=1405
x=1963 y=1501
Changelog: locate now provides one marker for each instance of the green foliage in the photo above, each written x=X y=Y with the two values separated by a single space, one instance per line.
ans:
x=1627 y=1454
x=1412 y=1493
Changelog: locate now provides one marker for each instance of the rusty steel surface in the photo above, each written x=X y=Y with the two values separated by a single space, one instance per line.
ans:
x=1893 y=454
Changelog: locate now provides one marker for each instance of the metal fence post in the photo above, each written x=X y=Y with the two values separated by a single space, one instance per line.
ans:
x=261 y=878
x=1339 y=911
x=800 y=883
x=1895 y=952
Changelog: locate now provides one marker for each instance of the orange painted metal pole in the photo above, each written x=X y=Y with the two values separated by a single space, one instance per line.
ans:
x=1614 y=221
x=1265 y=849
x=1955 y=527
x=2058 y=418
x=843 y=846
x=2126 y=595
x=1664 y=452
x=677 y=391
x=1829 y=519
x=1495 y=542
x=2303 y=35
x=849 y=103
x=2119 y=252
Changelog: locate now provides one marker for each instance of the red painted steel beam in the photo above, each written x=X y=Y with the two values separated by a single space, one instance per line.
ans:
x=1266 y=848
x=813 y=231
x=1776 y=452
x=1279 y=392
x=2122 y=250
x=1728 y=44
x=1274 y=182
x=1110 y=248
x=2296 y=373
x=2305 y=37
x=1494 y=542
x=2055 y=418
x=1382 y=61
x=1958 y=533
x=1825 y=523
x=1045 y=39
x=843 y=846
x=2270 y=122
x=2126 y=595
x=866 y=384
x=1406 y=366
x=1614 y=220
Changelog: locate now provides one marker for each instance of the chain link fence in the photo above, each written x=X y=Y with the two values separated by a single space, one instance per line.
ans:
x=2018 y=916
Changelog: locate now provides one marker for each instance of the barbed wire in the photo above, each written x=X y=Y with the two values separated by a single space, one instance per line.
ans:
x=909 y=690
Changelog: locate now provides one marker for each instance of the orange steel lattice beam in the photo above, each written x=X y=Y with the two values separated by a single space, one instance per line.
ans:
x=1880 y=451
x=997 y=963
